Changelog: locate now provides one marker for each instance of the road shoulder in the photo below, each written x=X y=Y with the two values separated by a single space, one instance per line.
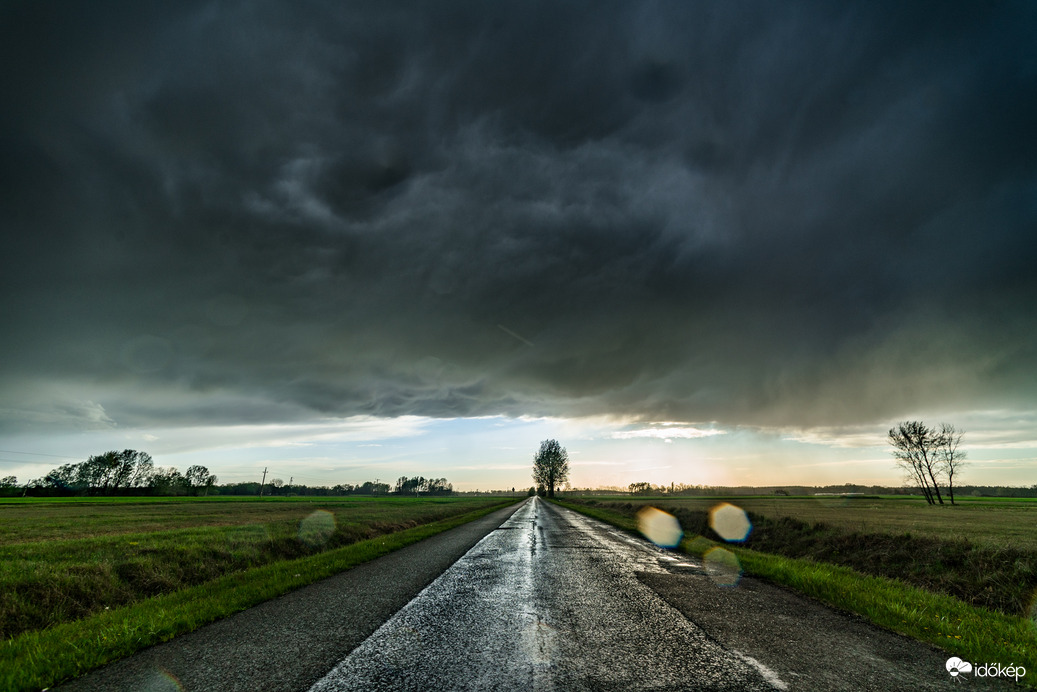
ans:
x=804 y=642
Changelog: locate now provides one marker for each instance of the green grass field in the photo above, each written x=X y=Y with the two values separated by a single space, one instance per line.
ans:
x=115 y=576
x=995 y=522
x=42 y=519
x=962 y=578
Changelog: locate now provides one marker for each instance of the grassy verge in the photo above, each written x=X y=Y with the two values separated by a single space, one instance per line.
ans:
x=60 y=563
x=976 y=634
x=37 y=659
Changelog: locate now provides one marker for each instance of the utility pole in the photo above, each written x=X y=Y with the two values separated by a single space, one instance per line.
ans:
x=263 y=483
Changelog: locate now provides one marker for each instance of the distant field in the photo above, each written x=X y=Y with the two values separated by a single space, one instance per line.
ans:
x=992 y=522
x=64 y=560
x=47 y=519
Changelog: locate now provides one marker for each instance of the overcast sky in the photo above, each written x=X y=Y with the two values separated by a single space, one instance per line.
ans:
x=792 y=222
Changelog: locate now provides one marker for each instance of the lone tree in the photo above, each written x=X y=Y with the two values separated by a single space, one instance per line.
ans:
x=551 y=466
x=927 y=454
x=949 y=455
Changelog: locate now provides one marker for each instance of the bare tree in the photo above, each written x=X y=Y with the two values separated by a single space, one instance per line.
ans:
x=551 y=466
x=949 y=454
x=915 y=448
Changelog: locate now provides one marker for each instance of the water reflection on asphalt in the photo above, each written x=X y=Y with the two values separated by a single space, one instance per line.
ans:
x=550 y=600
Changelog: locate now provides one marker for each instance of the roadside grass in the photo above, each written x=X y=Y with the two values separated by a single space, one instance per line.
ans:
x=255 y=563
x=47 y=582
x=975 y=633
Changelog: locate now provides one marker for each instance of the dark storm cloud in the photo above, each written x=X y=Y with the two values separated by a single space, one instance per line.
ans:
x=791 y=214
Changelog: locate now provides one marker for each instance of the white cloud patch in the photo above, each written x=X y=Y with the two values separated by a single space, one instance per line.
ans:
x=667 y=431
x=847 y=437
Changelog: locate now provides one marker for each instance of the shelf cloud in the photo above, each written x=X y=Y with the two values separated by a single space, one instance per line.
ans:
x=792 y=214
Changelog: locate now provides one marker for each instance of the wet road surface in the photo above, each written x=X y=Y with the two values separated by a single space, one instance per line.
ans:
x=551 y=600
x=554 y=600
x=538 y=598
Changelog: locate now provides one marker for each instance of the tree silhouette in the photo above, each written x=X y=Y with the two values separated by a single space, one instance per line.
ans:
x=198 y=477
x=949 y=455
x=927 y=453
x=551 y=466
x=914 y=448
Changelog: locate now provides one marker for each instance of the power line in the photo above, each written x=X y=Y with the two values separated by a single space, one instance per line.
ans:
x=35 y=454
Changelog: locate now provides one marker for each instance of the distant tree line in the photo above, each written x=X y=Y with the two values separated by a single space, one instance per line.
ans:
x=131 y=472
x=279 y=488
x=128 y=472
x=680 y=489
x=9 y=487
x=422 y=486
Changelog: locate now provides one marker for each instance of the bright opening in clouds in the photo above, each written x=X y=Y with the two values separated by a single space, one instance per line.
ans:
x=712 y=242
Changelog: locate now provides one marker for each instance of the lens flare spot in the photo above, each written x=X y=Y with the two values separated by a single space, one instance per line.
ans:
x=698 y=545
x=659 y=527
x=730 y=523
x=161 y=680
x=722 y=566
x=317 y=528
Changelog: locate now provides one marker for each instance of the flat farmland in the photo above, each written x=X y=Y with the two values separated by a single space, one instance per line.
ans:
x=990 y=522
x=68 y=559
x=33 y=519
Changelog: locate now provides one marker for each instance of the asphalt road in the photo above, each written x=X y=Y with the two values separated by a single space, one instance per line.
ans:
x=547 y=600
x=554 y=600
